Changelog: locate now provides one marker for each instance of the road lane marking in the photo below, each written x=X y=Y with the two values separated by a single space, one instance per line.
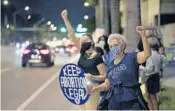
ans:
x=4 y=70
x=41 y=89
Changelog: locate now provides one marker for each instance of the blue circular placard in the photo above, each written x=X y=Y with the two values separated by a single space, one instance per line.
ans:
x=72 y=83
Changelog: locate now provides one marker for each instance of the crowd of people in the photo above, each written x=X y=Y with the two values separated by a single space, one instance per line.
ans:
x=114 y=73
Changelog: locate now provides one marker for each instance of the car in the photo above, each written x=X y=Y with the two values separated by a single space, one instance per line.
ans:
x=62 y=50
x=38 y=53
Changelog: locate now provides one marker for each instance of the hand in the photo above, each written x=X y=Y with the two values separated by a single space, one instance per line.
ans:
x=88 y=76
x=92 y=91
x=64 y=14
x=140 y=30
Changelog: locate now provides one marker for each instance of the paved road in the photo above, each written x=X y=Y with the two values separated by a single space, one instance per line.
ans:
x=31 y=88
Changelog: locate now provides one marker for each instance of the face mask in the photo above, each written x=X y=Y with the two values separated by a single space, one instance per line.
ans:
x=85 y=46
x=101 y=44
x=115 y=52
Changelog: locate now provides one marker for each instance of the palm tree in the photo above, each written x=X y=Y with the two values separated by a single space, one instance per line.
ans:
x=133 y=19
x=115 y=15
x=106 y=17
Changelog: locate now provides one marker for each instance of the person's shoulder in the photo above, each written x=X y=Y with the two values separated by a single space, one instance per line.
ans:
x=97 y=56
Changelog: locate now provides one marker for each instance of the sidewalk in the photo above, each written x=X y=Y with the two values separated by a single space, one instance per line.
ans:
x=169 y=82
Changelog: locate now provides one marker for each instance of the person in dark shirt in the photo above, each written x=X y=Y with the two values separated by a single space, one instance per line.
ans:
x=90 y=61
x=122 y=76
x=102 y=48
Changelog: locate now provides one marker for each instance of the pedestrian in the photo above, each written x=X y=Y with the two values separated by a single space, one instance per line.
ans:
x=90 y=61
x=152 y=71
x=122 y=76
x=102 y=48
x=102 y=43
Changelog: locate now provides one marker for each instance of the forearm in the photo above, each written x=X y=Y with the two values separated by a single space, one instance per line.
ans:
x=71 y=33
x=69 y=27
x=146 y=47
x=99 y=77
x=101 y=87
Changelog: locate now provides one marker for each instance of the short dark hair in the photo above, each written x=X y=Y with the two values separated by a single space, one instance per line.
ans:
x=89 y=35
x=99 y=51
x=140 y=45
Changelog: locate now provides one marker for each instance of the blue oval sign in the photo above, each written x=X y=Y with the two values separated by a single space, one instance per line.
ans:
x=72 y=83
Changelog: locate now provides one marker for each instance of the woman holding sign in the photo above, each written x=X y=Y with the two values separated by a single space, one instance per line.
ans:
x=122 y=77
x=89 y=61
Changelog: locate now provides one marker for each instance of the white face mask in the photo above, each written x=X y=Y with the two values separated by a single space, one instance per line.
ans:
x=101 y=44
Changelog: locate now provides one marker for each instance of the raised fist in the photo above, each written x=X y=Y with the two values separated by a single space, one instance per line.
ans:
x=64 y=14
x=140 y=30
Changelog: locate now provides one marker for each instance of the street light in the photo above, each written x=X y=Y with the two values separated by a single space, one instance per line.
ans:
x=5 y=2
x=26 y=8
x=86 y=17
x=63 y=29
x=7 y=26
x=49 y=22
x=80 y=25
x=29 y=17
x=86 y=4
x=15 y=13
x=52 y=26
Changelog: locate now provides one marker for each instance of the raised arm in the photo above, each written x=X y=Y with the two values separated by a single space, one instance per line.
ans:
x=143 y=56
x=71 y=32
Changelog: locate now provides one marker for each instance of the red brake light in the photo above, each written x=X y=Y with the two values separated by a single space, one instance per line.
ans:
x=44 y=51
x=26 y=51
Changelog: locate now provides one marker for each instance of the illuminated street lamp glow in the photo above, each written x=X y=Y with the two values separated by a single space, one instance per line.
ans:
x=86 y=4
x=63 y=29
x=82 y=30
x=29 y=17
x=54 y=28
x=86 y=17
x=7 y=26
x=80 y=25
x=52 y=25
x=5 y=2
x=26 y=8
x=49 y=22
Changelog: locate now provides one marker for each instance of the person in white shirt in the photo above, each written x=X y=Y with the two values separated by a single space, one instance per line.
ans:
x=152 y=72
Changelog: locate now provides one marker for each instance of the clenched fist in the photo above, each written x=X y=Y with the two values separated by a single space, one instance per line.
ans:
x=140 y=30
x=64 y=14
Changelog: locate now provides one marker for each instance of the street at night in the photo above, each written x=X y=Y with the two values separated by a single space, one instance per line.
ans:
x=87 y=55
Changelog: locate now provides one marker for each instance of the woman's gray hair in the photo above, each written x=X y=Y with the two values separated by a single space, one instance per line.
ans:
x=154 y=43
x=117 y=36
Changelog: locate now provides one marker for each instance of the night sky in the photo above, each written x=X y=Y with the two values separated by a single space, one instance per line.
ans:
x=51 y=9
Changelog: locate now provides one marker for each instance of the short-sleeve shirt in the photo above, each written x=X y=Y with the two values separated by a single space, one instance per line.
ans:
x=126 y=72
x=90 y=65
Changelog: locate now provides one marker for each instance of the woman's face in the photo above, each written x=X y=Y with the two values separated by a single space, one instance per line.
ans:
x=114 y=43
x=86 y=44
x=85 y=39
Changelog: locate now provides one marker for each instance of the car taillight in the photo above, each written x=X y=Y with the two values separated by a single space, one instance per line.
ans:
x=44 y=51
x=26 y=51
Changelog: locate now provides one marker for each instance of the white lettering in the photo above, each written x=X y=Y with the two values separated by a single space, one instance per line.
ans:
x=69 y=70
x=64 y=72
x=71 y=93
x=81 y=93
x=74 y=72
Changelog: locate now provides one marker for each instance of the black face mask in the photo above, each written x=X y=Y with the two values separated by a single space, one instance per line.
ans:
x=85 y=46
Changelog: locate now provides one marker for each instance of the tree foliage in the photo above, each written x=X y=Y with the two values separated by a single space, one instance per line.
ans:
x=89 y=24
x=91 y=2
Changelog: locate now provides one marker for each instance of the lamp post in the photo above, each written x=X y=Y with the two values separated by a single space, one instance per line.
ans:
x=5 y=2
x=14 y=15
